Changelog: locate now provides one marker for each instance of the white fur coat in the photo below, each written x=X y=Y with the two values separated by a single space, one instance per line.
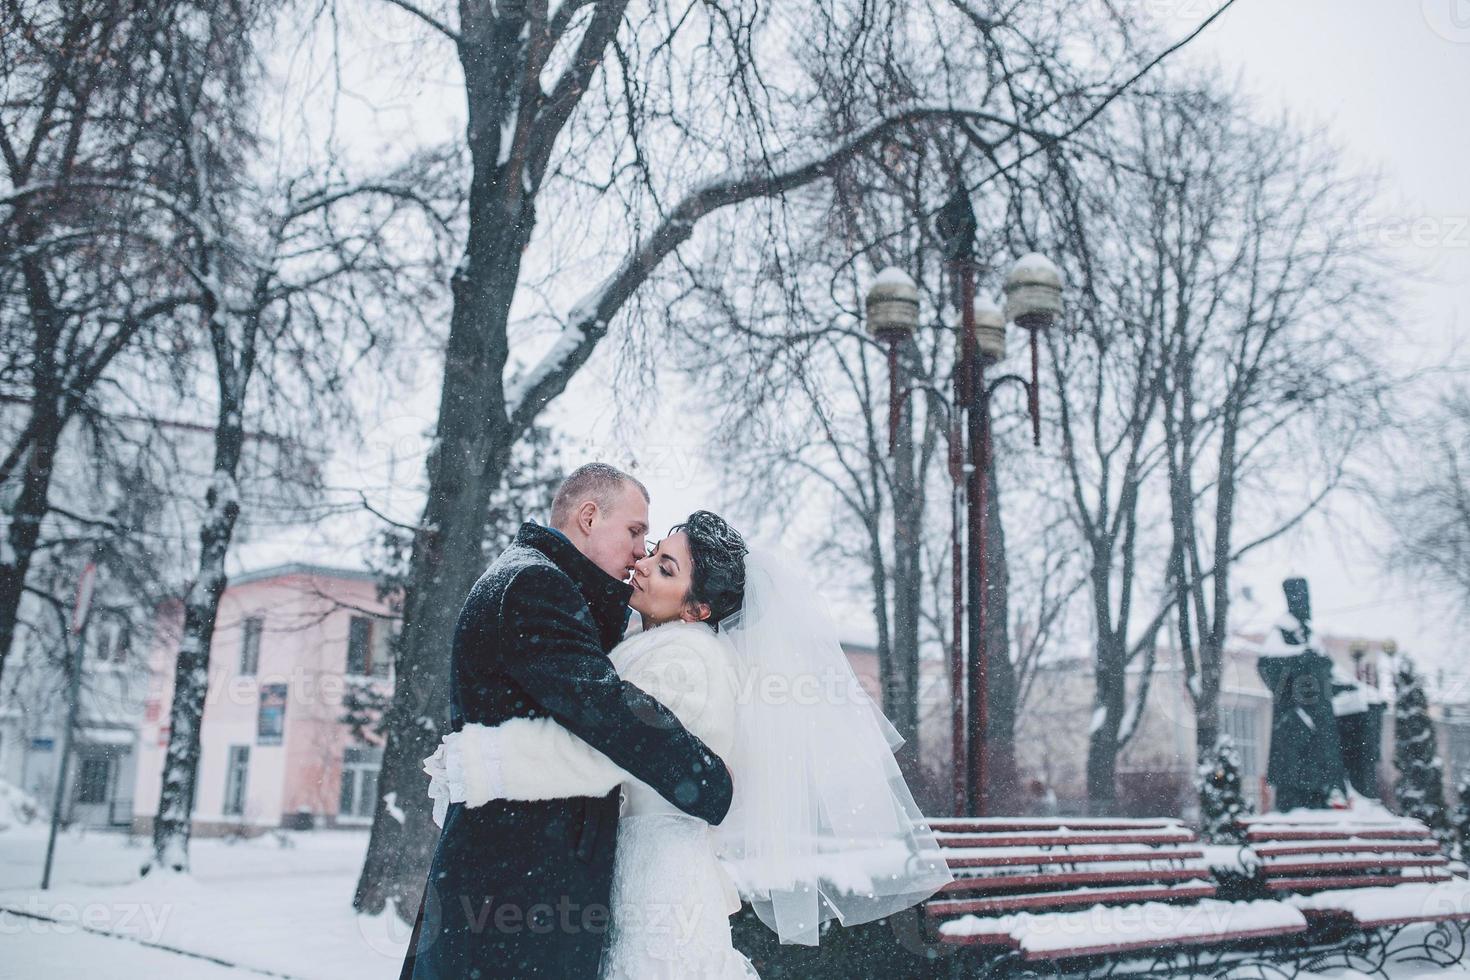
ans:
x=682 y=665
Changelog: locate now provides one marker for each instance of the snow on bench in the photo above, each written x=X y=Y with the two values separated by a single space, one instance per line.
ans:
x=1082 y=878
x=1102 y=929
x=1371 y=870
x=1394 y=905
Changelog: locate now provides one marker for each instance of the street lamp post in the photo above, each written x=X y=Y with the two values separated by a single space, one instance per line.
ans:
x=893 y=315
x=1033 y=290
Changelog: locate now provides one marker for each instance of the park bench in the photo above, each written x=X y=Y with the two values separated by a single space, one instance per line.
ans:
x=1346 y=868
x=1066 y=889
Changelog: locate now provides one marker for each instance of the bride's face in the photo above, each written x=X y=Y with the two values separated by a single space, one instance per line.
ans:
x=661 y=584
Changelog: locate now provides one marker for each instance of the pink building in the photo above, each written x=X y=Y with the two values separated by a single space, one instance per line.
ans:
x=290 y=642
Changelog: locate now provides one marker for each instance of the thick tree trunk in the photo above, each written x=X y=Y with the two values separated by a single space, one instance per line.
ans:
x=31 y=505
x=473 y=439
x=171 y=828
x=1112 y=692
x=1102 y=764
x=48 y=418
x=446 y=561
x=1102 y=743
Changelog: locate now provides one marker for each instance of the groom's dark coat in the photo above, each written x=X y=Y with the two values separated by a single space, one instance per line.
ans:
x=520 y=889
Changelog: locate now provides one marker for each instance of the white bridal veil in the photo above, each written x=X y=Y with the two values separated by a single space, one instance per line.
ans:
x=822 y=825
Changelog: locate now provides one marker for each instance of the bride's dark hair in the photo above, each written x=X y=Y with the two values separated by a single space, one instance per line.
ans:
x=717 y=552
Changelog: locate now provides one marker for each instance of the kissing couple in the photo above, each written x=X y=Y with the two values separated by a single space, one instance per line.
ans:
x=606 y=802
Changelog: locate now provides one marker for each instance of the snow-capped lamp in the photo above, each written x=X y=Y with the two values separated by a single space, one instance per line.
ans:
x=990 y=331
x=893 y=316
x=1034 y=301
x=1034 y=292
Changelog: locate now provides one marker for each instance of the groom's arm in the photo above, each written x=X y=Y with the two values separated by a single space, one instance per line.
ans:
x=553 y=653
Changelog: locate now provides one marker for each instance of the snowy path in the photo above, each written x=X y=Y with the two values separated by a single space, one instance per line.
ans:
x=34 y=952
x=275 y=910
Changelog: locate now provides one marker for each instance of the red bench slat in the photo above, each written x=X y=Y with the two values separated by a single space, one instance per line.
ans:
x=988 y=882
x=1348 y=847
x=1067 y=857
x=981 y=825
x=946 y=908
x=1281 y=868
x=1350 y=881
x=1318 y=833
x=1008 y=840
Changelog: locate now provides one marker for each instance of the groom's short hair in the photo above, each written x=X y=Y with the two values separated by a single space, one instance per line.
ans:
x=597 y=482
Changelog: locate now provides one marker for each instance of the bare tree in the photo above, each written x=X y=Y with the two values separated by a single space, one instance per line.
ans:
x=1222 y=298
x=1429 y=510
x=81 y=278
x=1108 y=379
x=1269 y=293
x=273 y=268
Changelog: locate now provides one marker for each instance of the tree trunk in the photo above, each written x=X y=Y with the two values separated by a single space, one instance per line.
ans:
x=47 y=413
x=1207 y=704
x=473 y=439
x=31 y=505
x=1102 y=744
x=1112 y=693
x=1003 y=793
x=171 y=828
x=1216 y=635
x=900 y=669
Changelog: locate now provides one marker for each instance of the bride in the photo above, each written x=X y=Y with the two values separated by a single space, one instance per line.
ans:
x=740 y=647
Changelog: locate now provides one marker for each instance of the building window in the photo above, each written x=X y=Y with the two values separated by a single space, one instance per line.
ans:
x=271 y=724
x=122 y=650
x=236 y=780
x=250 y=646
x=368 y=645
x=1240 y=725
x=93 y=777
x=360 y=646
x=1459 y=744
x=359 y=793
x=102 y=644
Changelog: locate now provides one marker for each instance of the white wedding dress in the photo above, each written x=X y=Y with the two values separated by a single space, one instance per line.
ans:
x=671 y=899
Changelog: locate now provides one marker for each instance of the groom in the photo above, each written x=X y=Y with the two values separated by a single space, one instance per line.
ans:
x=521 y=889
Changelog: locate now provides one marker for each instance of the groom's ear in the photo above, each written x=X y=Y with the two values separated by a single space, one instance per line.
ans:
x=587 y=516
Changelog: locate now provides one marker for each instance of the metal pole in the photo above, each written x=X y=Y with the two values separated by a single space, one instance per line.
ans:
x=1033 y=393
x=973 y=398
x=74 y=685
x=978 y=574
x=894 y=394
x=959 y=770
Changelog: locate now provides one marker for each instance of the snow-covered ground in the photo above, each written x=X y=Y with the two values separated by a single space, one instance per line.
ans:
x=249 y=909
